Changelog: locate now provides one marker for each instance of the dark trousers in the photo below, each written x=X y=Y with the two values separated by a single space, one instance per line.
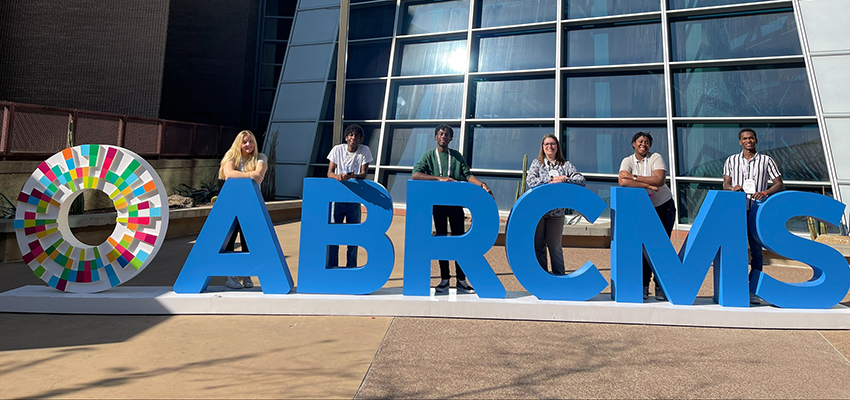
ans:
x=667 y=214
x=757 y=260
x=445 y=216
x=350 y=213
x=548 y=235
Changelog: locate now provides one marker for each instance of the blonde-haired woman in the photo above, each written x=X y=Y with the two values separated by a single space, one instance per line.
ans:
x=551 y=167
x=243 y=160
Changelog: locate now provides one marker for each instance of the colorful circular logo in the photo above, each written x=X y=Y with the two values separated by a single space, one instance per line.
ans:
x=42 y=223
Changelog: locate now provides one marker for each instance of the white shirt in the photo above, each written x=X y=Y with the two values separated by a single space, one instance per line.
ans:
x=645 y=167
x=261 y=158
x=348 y=162
x=760 y=169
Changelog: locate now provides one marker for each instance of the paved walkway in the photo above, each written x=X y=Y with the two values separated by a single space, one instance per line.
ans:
x=73 y=356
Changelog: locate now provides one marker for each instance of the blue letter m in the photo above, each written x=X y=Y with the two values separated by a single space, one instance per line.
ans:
x=718 y=235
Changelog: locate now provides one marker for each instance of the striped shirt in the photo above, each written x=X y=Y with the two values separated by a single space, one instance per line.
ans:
x=760 y=168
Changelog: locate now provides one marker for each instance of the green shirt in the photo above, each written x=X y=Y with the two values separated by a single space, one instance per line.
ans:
x=428 y=165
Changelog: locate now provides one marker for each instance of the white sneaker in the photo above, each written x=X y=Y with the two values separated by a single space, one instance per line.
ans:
x=247 y=283
x=233 y=282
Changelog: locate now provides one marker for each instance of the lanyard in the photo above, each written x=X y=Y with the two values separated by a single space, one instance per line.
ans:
x=440 y=163
x=645 y=165
x=747 y=166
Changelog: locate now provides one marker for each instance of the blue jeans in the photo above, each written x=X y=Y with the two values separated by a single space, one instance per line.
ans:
x=350 y=212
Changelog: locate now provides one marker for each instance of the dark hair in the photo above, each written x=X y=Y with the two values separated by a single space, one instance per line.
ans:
x=559 y=158
x=445 y=127
x=353 y=128
x=755 y=135
x=642 y=134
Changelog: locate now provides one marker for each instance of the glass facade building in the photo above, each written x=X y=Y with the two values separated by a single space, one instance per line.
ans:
x=505 y=72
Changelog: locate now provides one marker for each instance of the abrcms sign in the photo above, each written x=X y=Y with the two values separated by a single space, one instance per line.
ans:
x=718 y=237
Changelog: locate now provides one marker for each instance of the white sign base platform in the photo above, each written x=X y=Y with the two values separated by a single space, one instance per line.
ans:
x=389 y=302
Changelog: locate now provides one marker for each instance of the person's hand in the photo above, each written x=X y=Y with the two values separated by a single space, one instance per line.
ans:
x=759 y=196
x=653 y=188
x=558 y=179
x=445 y=179
x=626 y=175
x=737 y=188
x=487 y=188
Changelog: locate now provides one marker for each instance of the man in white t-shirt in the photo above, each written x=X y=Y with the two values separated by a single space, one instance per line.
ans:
x=349 y=160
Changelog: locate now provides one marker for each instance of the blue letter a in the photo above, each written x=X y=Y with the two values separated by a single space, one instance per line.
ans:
x=718 y=235
x=239 y=200
x=420 y=247
x=317 y=233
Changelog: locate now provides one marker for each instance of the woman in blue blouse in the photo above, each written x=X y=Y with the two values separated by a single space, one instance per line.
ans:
x=551 y=167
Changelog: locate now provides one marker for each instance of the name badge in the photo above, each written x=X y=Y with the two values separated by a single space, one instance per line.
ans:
x=749 y=186
x=553 y=174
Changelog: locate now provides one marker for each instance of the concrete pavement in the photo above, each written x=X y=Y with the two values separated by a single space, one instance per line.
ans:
x=74 y=356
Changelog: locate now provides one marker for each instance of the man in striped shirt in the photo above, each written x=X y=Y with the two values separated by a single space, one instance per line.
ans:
x=749 y=172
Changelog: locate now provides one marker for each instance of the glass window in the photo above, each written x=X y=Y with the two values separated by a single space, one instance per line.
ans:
x=434 y=58
x=504 y=147
x=514 y=99
x=262 y=121
x=281 y=7
x=320 y=25
x=801 y=224
x=371 y=22
x=273 y=53
x=266 y=99
x=308 y=62
x=617 y=96
x=324 y=145
x=600 y=8
x=299 y=138
x=680 y=4
x=603 y=190
x=429 y=101
x=515 y=12
x=406 y=145
x=629 y=44
x=362 y=101
x=306 y=106
x=691 y=196
x=503 y=188
x=797 y=149
x=396 y=184
x=742 y=91
x=277 y=28
x=763 y=35
x=367 y=60
x=516 y=52
x=371 y=137
x=269 y=75
x=601 y=149
x=443 y=16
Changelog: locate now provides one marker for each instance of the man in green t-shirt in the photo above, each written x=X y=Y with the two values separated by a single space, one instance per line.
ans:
x=447 y=165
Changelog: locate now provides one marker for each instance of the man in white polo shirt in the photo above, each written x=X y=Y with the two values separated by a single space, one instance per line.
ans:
x=748 y=172
x=349 y=160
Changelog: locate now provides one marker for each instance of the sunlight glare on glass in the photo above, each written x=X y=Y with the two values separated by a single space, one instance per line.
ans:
x=457 y=60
